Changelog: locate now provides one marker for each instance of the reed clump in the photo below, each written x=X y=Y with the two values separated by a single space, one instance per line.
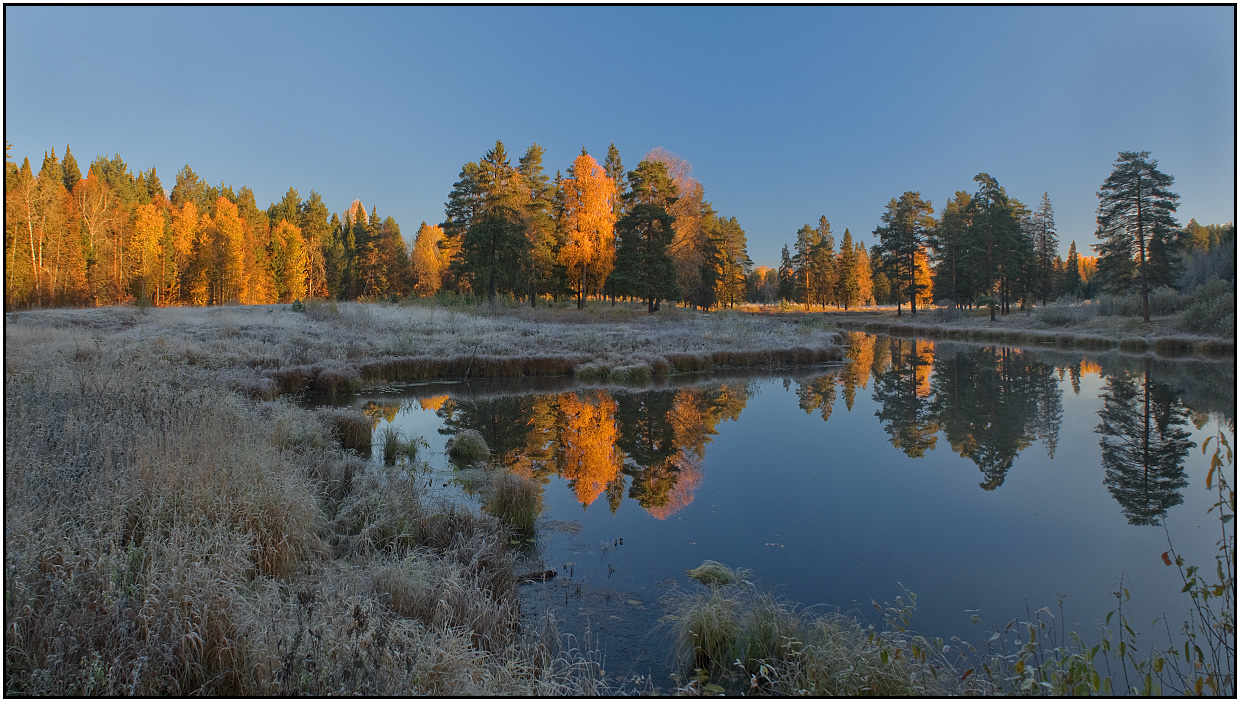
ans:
x=397 y=446
x=516 y=502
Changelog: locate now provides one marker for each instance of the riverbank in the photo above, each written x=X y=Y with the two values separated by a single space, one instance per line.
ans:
x=269 y=350
x=1073 y=327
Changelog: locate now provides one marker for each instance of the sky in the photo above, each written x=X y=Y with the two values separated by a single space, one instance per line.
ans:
x=785 y=113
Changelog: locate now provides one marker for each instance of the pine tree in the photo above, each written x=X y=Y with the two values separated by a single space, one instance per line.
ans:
x=728 y=241
x=994 y=234
x=316 y=230
x=903 y=234
x=643 y=267
x=822 y=258
x=948 y=241
x=615 y=170
x=1135 y=209
x=495 y=251
x=807 y=282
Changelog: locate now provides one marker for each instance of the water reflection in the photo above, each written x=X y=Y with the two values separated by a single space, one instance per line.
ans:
x=646 y=445
x=1144 y=443
x=990 y=404
x=906 y=408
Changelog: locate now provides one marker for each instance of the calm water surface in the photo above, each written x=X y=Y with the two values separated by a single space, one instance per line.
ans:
x=984 y=479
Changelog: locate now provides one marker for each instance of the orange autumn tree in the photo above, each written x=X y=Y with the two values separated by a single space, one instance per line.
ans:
x=146 y=249
x=229 y=247
x=428 y=259
x=290 y=262
x=591 y=459
x=589 y=221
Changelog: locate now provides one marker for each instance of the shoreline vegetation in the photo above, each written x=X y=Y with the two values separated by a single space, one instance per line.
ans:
x=1161 y=336
x=178 y=523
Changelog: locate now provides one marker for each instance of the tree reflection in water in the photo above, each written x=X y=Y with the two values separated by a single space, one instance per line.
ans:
x=595 y=439
x=1144 y=443
x=989 y=402
x=992 y=403
x=903 y=393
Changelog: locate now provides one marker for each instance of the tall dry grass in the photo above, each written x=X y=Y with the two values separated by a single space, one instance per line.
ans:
x=168 y=531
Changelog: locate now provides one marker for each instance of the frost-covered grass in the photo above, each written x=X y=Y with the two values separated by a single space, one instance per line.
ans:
x=270 y=350
x=1179 y=324
x=168 y=533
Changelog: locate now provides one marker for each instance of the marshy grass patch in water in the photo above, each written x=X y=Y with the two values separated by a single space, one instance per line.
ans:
x=716 y=574
x=467 y=447
x=396 y=445
x=740 y=639
x=516 y=502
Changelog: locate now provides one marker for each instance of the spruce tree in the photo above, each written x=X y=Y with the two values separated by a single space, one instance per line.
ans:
x=1135 y=210
x=1070 y=282
x=847 y=287
x=69 y=168
x=787 y=276
x=539 y=210
x=1045 y=246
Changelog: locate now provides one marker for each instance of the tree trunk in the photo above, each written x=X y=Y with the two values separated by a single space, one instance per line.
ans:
x=1145 y=288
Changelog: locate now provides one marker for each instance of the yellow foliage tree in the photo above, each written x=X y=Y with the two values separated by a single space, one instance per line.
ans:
x=589 y=250
x=428 y=259
x=291 y=263
x=146 y=249
x=229 y=243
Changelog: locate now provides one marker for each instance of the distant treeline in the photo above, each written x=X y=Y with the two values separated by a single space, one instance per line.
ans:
x=648 y=234
x=988 y=248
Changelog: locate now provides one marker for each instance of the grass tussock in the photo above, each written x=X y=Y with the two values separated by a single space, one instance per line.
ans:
x=736 y=638
x=468 y=447
x=398 y=446
x=351 y=428
x=516 y=502
x=714 y=573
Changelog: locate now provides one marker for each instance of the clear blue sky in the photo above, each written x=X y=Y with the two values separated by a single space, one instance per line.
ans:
x=785 y=113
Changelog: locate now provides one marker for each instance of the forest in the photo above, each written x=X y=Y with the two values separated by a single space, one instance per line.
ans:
x=594 y=231
x=110 y=238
